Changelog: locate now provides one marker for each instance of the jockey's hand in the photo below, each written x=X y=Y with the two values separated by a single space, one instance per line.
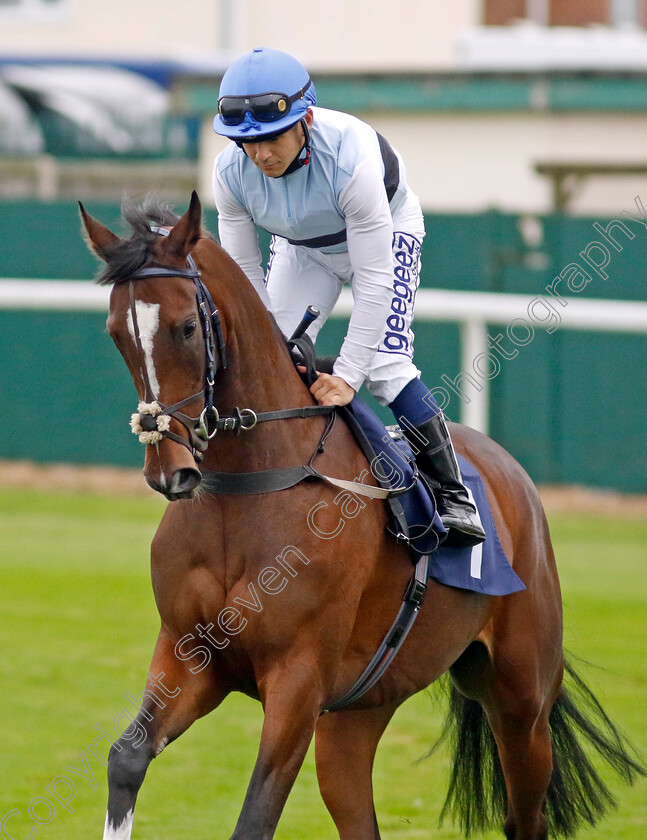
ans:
x=331 y=390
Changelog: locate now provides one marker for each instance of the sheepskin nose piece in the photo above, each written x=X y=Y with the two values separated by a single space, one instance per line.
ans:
x=149 y=423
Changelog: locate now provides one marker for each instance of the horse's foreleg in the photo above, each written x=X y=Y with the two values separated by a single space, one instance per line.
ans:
x=345 y=749
x=292 y=699
x=173 y=699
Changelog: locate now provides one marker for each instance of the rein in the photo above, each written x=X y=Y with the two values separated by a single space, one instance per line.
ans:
x=152 y=420
x=282 y=478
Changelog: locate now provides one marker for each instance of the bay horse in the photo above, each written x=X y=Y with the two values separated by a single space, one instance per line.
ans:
x=253 y=598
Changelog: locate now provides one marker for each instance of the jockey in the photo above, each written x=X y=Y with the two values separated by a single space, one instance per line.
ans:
x=334 y=196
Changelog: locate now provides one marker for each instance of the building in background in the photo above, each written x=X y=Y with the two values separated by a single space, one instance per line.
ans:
x=521 y=105
x=340 y=34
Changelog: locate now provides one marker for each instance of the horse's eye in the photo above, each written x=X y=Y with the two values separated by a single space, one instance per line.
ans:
x=189 y=329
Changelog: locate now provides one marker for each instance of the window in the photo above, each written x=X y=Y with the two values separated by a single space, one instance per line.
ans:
x=579 y=12
x=503 y=12
x=566 y=12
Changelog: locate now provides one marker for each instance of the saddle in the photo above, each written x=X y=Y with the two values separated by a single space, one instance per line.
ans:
x=482 y=568
x=415 y=520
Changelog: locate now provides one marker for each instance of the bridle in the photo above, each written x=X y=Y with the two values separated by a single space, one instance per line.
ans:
x=151 y=421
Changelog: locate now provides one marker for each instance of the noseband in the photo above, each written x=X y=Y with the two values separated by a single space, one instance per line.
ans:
x=152 y=419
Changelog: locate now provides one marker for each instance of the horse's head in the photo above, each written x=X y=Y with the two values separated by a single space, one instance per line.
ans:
x=165 y=325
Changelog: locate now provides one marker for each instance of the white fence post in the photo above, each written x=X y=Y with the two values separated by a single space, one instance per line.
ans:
x=476 y=405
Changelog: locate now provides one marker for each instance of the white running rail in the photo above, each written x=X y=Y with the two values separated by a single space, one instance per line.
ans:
x=473 y=311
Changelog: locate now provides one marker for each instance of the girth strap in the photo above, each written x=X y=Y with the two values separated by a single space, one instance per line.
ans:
x=412 y=601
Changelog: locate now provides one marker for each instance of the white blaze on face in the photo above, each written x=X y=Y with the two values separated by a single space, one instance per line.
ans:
x=120 y=832
x=148 y=320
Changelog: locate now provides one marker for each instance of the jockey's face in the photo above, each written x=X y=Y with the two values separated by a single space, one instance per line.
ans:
x=274 y=156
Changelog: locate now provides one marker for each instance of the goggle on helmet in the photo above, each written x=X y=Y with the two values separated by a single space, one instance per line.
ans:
x=263 y=93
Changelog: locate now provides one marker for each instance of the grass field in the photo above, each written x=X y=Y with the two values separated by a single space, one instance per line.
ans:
x=77 y=628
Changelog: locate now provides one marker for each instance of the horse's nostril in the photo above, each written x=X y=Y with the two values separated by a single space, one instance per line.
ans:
x=184 y=482
x=181 y=486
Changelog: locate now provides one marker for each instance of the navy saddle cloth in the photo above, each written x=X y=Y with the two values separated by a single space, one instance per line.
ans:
x=481 y=568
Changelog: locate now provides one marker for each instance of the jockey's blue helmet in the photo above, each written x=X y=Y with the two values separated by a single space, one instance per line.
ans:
x=263 y=93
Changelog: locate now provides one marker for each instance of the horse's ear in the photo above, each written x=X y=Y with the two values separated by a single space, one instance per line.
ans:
x=97 y=236
x=183 y=237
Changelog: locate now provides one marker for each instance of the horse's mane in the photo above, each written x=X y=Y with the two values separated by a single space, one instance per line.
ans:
x=126 y=256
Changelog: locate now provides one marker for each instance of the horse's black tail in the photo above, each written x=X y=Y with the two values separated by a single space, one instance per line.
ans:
x=476 y=798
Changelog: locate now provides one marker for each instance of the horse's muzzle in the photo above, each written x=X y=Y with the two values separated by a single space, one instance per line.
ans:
x=181 y=485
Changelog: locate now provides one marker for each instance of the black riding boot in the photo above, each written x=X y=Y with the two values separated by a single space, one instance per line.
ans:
x=437 y=459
